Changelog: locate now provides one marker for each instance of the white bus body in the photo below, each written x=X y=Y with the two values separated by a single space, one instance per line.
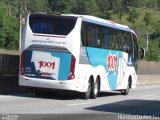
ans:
x=62 y=57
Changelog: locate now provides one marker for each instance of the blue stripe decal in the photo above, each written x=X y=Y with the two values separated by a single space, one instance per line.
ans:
x=65 y=63
x=109 y=59
x=47 y=65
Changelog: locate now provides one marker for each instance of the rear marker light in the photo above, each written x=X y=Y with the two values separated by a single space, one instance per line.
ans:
x=72 y=68
x=22 y=65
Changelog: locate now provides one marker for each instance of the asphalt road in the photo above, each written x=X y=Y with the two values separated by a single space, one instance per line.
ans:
x=144 y=100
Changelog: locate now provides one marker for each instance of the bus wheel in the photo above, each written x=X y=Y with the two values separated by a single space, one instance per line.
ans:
x=126 y=91
x=94 y=90
x=86 y=95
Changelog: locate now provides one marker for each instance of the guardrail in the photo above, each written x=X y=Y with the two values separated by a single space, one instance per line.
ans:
x=148 y=80
x=9 y=63
x=148 y=68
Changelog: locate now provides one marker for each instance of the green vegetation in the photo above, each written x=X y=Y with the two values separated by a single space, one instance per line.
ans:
x=143 y=16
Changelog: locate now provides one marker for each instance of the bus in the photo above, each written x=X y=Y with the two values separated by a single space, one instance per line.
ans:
x=77 y=53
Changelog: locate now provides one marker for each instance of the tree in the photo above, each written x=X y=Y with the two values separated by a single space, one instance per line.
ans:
x=158 y=5
x=88 y=7
x=133 y=15
x=156 y=28
x=130 y=3
x=2 y=14
x=118 y=8
x=105 y=6
x=8 y=29
x=9 y=34
x=39 y=6
x=61 y=6
x=147 y=18
x=121 y=7
x=153 y=53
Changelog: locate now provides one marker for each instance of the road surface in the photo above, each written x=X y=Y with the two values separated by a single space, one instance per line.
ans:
x=144 y=100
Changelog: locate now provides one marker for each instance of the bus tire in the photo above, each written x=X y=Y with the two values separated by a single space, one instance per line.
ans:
x=94 y=90
x=86 y=95
x=126 y=91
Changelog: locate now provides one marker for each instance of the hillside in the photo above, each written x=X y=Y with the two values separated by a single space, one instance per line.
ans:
x=139 y=26
x=142 y=29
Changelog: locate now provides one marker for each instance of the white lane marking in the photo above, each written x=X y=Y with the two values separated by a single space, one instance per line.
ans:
x=147 y=95
x=76 y=104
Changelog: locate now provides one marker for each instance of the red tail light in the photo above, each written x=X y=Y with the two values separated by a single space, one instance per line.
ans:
x=72 y=68
x=22 y=64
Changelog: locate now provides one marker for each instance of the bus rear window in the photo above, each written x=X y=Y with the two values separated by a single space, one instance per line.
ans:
x=47 y=24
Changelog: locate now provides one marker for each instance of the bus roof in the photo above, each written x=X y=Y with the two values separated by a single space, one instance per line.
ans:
x=101 y=21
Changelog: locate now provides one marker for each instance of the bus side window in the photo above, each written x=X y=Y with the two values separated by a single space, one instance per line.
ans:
x=123 y=41
x=135 y=47
x=135 y=53
x=89 y=37
x=129 y=44
x=83 y=34
x=111 y=39
x=119 y=40
x=99 y=37
x=115 y=39
x=106 y=38
x=93 y=35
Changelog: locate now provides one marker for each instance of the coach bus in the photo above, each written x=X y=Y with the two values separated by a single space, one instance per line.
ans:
x=78 y=53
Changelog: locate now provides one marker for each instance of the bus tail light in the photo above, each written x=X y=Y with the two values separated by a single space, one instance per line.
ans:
x=72 y=68
x=22 y=65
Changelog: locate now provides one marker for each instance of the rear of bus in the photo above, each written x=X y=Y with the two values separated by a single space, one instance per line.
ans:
x=48 y=55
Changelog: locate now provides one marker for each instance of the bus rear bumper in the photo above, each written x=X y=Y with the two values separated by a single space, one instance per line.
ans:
x=48 y=84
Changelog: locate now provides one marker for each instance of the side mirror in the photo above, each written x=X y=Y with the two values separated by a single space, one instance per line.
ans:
x=142 y=52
